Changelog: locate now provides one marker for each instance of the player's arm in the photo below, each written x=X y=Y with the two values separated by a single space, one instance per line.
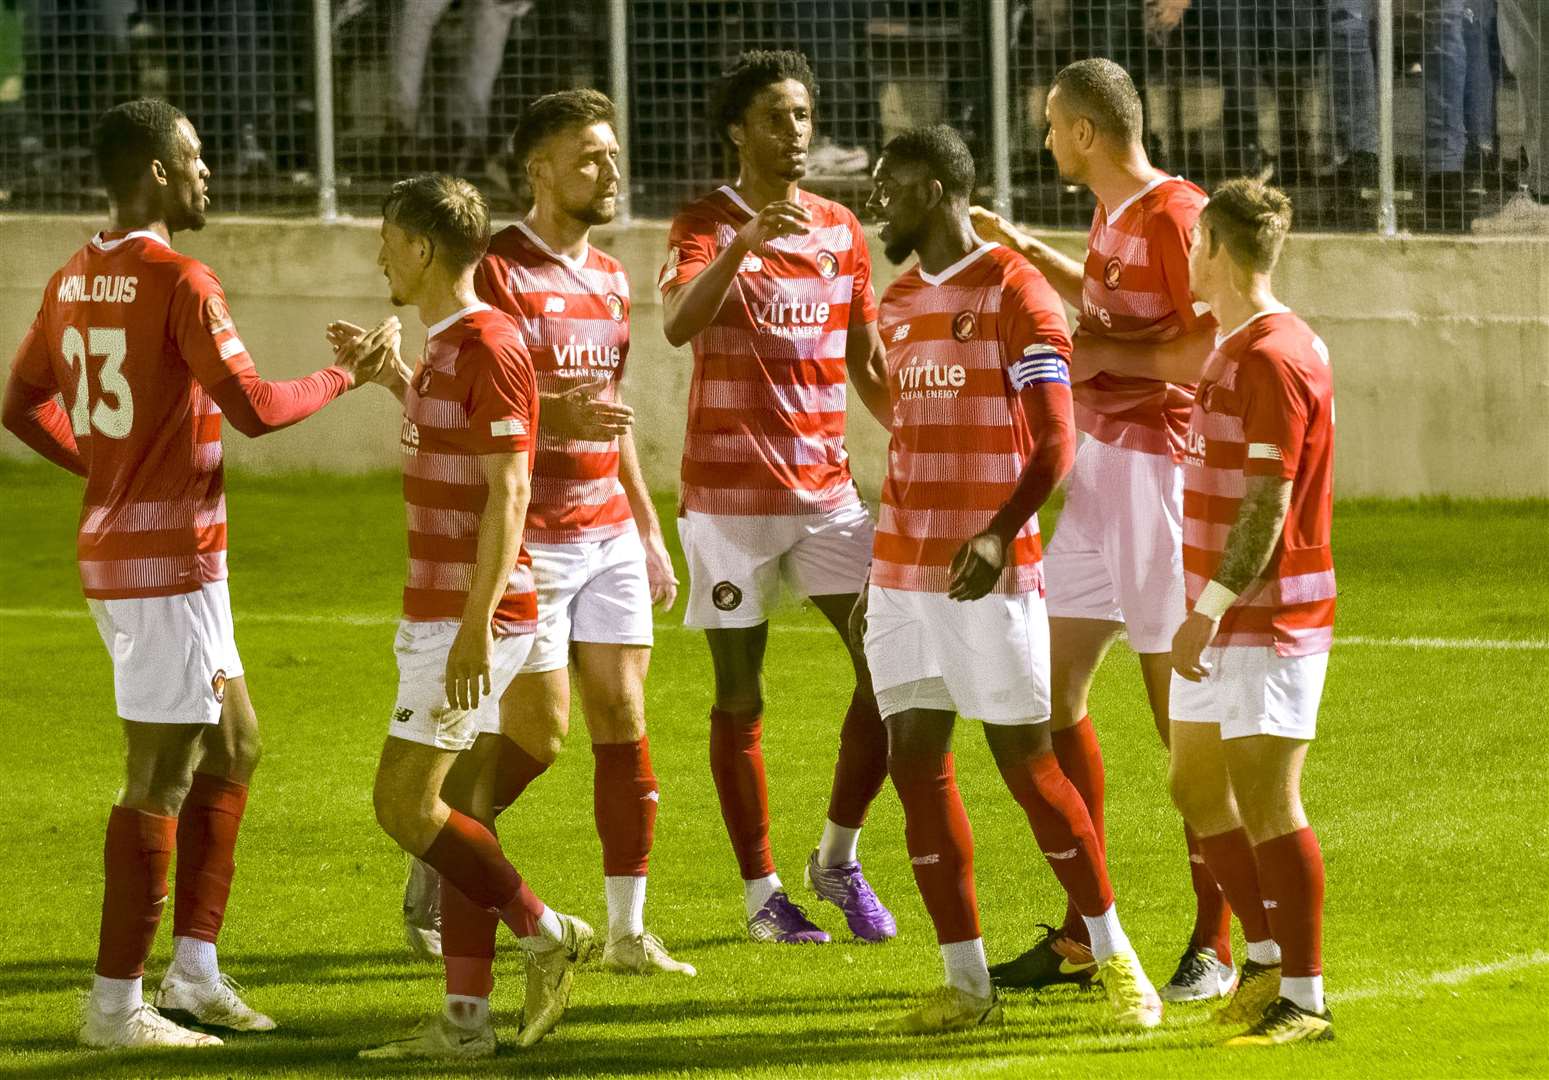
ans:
x=690 y=306
x=500 y=541
x=1177 y=361
x=578 y=412
x=29 y=410
x=1063 y=272
x=661 y=577
x=865 y=357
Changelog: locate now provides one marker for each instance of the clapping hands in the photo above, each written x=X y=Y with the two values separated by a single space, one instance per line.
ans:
x=370 y=355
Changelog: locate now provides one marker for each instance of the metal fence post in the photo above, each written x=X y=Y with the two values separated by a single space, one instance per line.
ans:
x=1387 y=213
x=327 y=181
x=1000 y=106
x=618 y=90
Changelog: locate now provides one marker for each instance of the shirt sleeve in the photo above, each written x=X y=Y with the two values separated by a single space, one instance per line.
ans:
x=862 y=294
x=203 y=328
x=690 y=248
x=1274 y=415
x=1171 y=234
x=490 y=282
x=502 y=398
x=1034 y=338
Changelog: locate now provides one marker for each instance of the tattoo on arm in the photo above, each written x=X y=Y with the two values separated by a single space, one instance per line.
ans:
x=1260 y=522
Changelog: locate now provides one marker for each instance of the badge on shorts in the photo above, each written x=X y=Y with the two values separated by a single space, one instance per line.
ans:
x=726 y=596
x=615 y=306
x=218 y=684
x=828 y=264
x=1111 y=272
x=964 y=326
x=401 y=714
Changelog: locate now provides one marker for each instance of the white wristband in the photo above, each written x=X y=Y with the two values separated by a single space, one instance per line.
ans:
x=1214 y=601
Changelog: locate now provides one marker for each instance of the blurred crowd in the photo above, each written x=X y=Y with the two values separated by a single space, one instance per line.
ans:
x=1282 y=88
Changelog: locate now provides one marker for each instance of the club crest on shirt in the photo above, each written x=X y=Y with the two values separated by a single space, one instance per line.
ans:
x=218 y=684
x=965 y=325
x=726 y=596
x=1111 y=271
x=615 y=306
x=828 y=264
x=216 y=317
x=423 y=385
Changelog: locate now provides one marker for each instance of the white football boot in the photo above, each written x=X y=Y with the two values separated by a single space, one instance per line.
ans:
x=422 y=910
x=213 y=1003
x=140 y=1028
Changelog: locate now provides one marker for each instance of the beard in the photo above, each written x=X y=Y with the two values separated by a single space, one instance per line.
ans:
x=898 y=249
x=596 y=212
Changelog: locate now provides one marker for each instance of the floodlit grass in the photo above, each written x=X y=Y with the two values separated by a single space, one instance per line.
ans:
x=1428 y=786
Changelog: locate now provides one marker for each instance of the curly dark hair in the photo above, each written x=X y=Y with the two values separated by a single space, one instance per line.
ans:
x=943 y=153
x=753 y=71
x=129 y=137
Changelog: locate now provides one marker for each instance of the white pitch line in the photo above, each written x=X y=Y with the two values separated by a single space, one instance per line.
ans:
x=1402 y=985
x=293 y=618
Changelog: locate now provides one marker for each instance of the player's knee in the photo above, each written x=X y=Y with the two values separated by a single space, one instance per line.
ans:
x=616 y=720
x=1265 y=821
x=1199 y=803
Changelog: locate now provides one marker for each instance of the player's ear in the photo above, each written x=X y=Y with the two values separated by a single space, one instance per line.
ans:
x=736 y=134
x=159 y=172
x=934 y=193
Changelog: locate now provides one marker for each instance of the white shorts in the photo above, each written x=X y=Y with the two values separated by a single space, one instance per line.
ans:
x=736 y=563
x=985 y=659
x=1253 y=690
x=1117 y=552
x=171 y=655
x=422 y=713
x=594 y=591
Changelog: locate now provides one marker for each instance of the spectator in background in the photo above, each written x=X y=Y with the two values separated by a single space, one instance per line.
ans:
x=1524 y=28
x=1459 y=103
x=486 y=29
x=1353 y=93
x=75 y=58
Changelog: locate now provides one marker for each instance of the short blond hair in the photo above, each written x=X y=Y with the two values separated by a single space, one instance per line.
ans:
x=1252 y=219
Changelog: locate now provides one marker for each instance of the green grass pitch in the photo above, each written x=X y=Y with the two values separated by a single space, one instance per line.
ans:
x=1427 y=784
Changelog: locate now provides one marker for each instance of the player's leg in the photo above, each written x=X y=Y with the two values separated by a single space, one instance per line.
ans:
x=1202 y=792
x=193 y=989
x=827 y=564
x=1265 y=769
x=940 y=843
x=624 y=799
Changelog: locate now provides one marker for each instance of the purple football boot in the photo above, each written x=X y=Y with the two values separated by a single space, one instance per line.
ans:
x=781 y=921
x=845 y=887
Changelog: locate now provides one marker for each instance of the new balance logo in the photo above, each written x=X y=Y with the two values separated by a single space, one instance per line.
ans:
x=925 y=860
x=554 y=305
x=401 y=715
x=900 y=333
x=1270 y=905
x=1071 y=854
x=654 y=796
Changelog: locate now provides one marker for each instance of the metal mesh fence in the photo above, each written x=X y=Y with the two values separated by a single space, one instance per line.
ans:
x=1295 y=90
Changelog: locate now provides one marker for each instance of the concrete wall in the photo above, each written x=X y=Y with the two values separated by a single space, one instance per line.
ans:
x=1440 y=347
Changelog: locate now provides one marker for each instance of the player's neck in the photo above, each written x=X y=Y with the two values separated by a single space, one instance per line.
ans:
x=759 y=191
x=562 y=233
x=130 y=220
x=1116 y=180
x=446 y=299
x=1235 y=307
x=946 y=244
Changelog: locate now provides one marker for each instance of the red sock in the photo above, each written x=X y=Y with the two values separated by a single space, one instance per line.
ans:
x=1063 y=830
x=467 y=943
x=1230 y=859
x=1291 y=873
x=1212 y=914
x=135 y=858
x=1081 y=760
x=737 y=766
x=940 y=842
x=206 y=855
x=515 y=768
x=862 y=765
x=467 y=854
x=624 y=797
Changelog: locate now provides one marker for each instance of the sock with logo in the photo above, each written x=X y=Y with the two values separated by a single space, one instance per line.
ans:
x=1229 y=856
x=1212 y=914
x=1063 y=830
x=1081 y=760
x=136 y=854
x=624 y=801
x=940 y=842
x=207 y=828
x=737 y=767
x=967 y=968
x=861 y=768
x=467 y=1011
x=1291 y=876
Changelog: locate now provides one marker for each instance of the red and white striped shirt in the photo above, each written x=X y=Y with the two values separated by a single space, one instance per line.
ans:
x=132 y=334
x=1265 y=408
x=472 y=393
x=961 y=346
x=766 y=409
x=1136 y=288
x=574 y=314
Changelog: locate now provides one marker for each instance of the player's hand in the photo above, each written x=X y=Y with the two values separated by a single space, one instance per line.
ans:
x=659 y=574
x=467 y=666
x=365 y=353
x=858 y=619
x=976 y=567
x=780 y=218
x=997 y=230
x=580 y=413
x=1189 y=645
